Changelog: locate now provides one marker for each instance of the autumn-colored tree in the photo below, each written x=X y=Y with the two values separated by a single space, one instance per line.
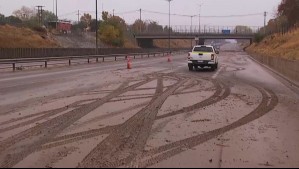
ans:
x=112 y=29
x=242 y=29
x=86 y=20
x=25 y=13
x=138 y=26
x=290 y=9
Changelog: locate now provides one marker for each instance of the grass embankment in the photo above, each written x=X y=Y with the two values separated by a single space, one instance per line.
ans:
x=13 y=37
x=277 y=45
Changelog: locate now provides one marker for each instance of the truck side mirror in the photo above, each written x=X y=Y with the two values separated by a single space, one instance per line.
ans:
x=217 y=52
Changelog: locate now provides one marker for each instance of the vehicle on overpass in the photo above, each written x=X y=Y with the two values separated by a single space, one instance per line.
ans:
x=203 y=56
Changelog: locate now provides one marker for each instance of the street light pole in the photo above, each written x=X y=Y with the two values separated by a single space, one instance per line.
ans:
x=199 y=15
x=56 y=15
x=96 y=26
x=191 y=30
x=169 y=27
x=265 y=20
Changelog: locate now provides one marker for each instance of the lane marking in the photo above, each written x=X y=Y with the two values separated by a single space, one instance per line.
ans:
x=217 y=73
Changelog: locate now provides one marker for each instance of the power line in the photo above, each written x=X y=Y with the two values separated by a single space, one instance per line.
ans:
x=213 y=16
x=68 y=14
x=127 y=12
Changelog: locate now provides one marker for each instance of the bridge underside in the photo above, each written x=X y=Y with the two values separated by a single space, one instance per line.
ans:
x=147 y=41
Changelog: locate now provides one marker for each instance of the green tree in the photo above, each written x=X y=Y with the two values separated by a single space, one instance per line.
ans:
x=48 y=16
x=12 y=20
x=154 y=27
x=2 y=19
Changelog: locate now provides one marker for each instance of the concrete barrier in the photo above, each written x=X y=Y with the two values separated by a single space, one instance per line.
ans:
x=288 y=68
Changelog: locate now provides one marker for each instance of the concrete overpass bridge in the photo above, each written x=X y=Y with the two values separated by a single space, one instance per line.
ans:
x=146 y=38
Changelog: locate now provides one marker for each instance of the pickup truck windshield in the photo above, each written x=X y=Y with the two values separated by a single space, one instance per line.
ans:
x=203 y=49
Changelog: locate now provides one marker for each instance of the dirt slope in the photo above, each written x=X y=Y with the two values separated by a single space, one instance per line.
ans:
x=277 y=45
x=13 y=37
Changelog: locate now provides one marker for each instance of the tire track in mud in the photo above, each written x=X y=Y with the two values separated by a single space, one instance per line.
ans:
x=154 y=156
x=10 y=108
x=60 y=141
x=42 y=133
x=113 y=114
x=128 y=99
x=127 y=142
x=30 y=116
x=222 y=92
x=45 y=114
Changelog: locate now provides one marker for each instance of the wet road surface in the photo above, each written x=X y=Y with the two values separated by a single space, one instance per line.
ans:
x=157 y=114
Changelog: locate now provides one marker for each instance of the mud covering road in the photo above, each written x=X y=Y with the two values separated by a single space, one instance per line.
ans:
x=157 y=114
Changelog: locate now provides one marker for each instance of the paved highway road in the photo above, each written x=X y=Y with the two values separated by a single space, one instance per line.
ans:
x=157 y=114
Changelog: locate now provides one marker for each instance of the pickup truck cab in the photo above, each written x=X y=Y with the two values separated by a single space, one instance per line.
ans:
x=203 y=56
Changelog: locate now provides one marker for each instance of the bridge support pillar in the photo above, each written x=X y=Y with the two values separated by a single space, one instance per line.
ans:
x=200 y=41
x=145 y=43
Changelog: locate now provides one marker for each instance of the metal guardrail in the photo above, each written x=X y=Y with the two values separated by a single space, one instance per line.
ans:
x=14 y=62
x=13 y=53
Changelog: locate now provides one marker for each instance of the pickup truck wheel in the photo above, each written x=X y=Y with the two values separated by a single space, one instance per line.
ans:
x=190 y=67
x=213 y=67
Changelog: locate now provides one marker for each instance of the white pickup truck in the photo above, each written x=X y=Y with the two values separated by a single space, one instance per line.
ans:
x=203 y=56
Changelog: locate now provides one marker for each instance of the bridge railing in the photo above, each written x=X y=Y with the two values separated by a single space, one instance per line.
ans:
x=184 y=29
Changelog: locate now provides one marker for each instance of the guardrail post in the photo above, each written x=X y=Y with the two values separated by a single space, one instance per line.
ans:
x=70 y=62
x=97 y=59
x=88 y=60
x=46 y=64
x=115 y=58
x=103 y=59
x=134 y=56
x=148 y=55
x=14 y=66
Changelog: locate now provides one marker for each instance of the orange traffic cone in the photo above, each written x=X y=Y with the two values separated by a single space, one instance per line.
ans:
x=129 y=64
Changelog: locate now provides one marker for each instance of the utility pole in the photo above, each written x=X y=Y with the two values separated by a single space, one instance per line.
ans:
x=191 y=23
x=53 y=6
x=265 y=18
x=113 y=12
x=78 y=16
x=96 y=27
x=40 y=15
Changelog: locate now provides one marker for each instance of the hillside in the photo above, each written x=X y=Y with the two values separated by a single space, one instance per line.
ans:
x=13 y=37
x=277 y=45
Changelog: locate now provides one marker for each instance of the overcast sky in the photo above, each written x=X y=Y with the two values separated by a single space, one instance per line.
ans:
x=67 y=8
